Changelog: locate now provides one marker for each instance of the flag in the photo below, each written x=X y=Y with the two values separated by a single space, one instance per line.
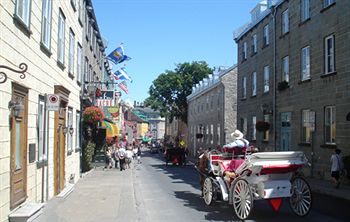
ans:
x=123 y=86
x=122 y=75
x=117 y=55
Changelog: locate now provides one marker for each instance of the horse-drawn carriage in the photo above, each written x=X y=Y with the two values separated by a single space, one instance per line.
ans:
x=175 y=155
x=272 y=176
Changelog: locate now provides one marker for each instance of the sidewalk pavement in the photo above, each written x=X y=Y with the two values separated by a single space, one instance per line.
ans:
x=321 y=186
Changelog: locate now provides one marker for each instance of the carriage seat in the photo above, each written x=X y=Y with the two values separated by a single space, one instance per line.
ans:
x=230 y=165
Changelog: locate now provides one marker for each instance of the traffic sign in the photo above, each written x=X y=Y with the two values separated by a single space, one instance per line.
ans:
x=53 y=102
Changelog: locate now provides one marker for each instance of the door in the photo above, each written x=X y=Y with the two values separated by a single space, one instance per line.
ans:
x=285 y=131
x=18 y=153
x=59 y=152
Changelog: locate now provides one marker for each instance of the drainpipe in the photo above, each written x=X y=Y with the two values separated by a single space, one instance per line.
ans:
x=273 y=12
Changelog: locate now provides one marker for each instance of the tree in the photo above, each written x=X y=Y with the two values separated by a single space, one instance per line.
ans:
x=169 y=91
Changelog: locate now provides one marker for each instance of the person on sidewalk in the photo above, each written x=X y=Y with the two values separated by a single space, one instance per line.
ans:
x=139 y=155
x=108 y=158
x=336 y=167
x=121 y=156
x=129 y=154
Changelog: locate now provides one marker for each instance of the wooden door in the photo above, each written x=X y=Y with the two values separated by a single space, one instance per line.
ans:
x=18 y=154
x=59 y=152
x=285 y=131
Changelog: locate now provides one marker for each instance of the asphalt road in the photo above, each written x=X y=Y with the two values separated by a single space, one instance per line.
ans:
x=151 y=191
x=173 y=193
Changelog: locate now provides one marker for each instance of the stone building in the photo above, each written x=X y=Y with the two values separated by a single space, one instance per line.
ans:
x=40 y=149
x=293 y=72
x=212 y=107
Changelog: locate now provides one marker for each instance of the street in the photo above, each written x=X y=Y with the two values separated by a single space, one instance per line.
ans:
x=151 y=191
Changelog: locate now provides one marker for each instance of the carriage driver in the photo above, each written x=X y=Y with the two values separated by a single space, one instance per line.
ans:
x=240 y=142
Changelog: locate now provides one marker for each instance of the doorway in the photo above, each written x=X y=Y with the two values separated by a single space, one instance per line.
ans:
x=18 y=153
x=285 y=131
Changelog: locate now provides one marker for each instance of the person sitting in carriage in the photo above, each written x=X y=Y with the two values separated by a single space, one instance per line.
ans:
x=239 y=143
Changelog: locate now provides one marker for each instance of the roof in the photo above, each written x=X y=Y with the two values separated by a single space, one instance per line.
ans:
x=246 y=28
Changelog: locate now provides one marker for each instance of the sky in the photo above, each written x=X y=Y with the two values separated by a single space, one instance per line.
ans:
x=158 y=34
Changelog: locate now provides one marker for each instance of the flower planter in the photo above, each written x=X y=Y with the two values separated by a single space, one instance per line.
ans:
x=262 y=126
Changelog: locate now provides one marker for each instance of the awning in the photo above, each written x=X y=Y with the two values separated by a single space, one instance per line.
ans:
x=111 y=129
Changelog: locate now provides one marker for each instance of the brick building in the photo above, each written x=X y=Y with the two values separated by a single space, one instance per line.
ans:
x=293 y=72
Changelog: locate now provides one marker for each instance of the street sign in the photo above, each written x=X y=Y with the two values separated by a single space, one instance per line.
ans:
x=52 y=102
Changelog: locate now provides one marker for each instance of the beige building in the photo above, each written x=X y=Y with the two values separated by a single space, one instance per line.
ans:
x=40 y=149
x=293 y=72
x=212 y=108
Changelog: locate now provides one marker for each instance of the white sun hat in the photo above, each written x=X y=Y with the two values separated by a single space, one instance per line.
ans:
x=237 y=135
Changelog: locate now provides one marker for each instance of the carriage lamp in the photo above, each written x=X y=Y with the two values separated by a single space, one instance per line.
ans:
x=71 y=130
x=17 y=107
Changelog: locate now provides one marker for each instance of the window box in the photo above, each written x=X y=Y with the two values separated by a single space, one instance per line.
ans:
x=328 y=74
x=283 y=85
x=329 y=146
x=262 y=126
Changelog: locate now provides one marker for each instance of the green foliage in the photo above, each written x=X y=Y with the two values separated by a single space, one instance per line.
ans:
x=88 y=152
x=169 y=91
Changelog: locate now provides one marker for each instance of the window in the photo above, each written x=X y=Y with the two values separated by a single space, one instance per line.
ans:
x=254 y=46
x=70 y=136
x=80 y=11
x=308 y=124
x=42 y=128
x=245 y=48
x=60 y=40
x=285 y=22
x=305 y=63
x=74 y=4
x=244 y=87
x=71 y=52
x=46 y=24
x=285 y=69
x=266 y=79
x=218 y=134
x=244 y=126
x=77 y=131
x=86 y=70
x=79 y=66
x=254 y=84
x=253 y=127
x=305 y=10
x=327 y=3
x=329 y=124
x=266 y=39
x=266 y=136
x=329 y=54
x=23 y=11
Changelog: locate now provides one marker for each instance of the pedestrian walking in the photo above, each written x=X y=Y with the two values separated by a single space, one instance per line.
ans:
x=121 y=156
x=336 y=167
x=129 y=154
x=108 y=158
x=139 y=155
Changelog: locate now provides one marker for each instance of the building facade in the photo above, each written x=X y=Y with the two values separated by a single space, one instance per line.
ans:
x=43 y=46
x=212 y=107
x=293 y=73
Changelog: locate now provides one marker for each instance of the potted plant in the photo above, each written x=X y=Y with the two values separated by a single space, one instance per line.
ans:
x=93 y=114
x=283 y=85
x=262 y=126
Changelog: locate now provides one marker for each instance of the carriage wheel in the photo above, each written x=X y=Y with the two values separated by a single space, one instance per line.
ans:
x=301 y=199
x=208 y=191
x=242 y=198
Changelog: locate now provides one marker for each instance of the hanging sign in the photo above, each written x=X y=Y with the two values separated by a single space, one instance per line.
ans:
x=105 y=98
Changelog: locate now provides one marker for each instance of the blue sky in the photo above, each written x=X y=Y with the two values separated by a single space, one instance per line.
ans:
x=157 y=34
